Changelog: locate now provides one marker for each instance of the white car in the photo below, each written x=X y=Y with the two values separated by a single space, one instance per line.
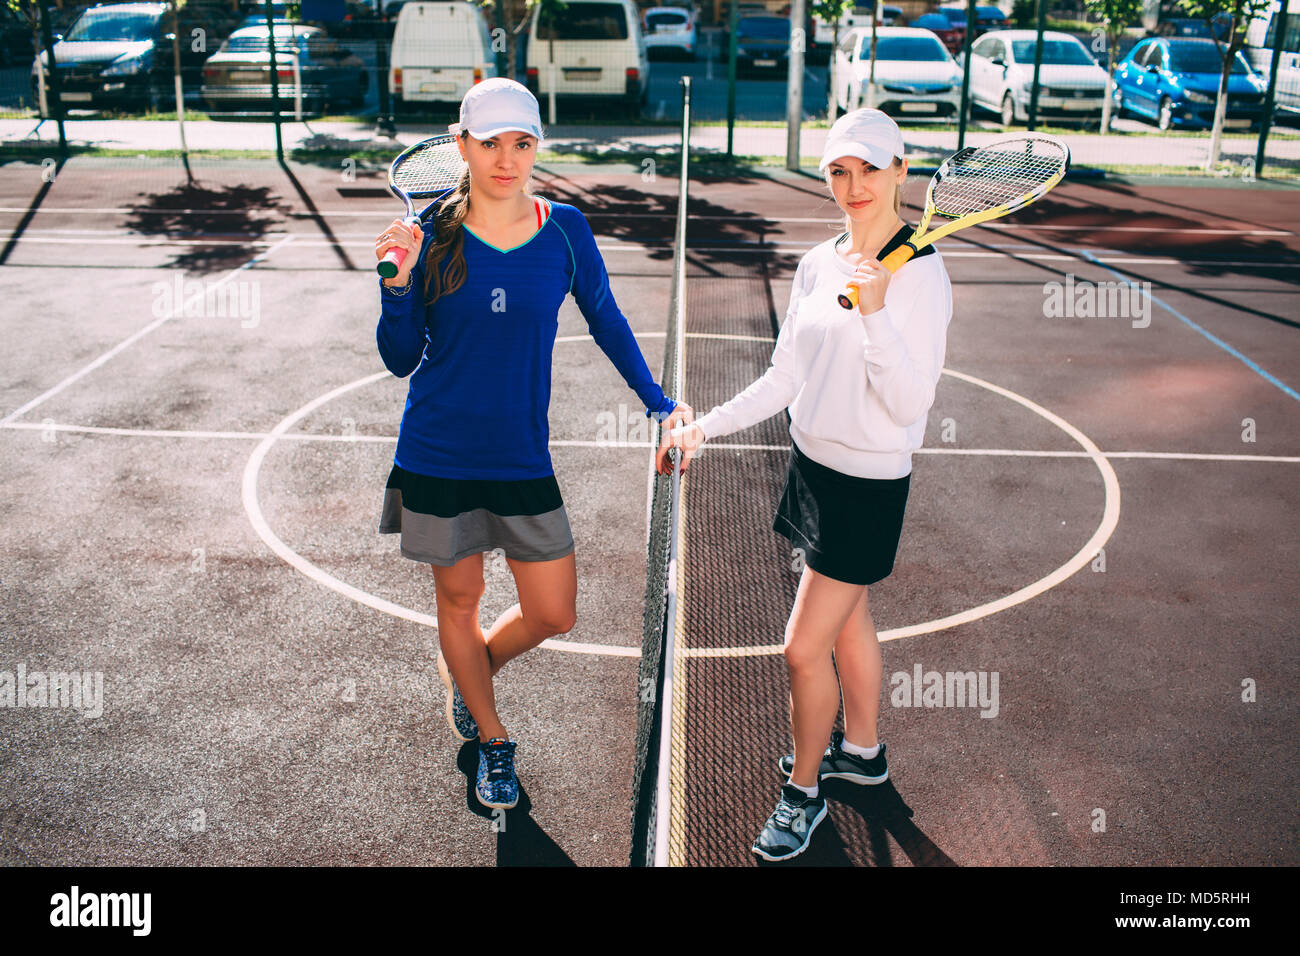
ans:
x=858 y=15
x=600 y=54
x=439 y=51
x=670 y=29
x=915 y=74
x=1070 y=83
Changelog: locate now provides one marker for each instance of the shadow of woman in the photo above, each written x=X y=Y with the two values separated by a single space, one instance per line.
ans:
x=520 y=841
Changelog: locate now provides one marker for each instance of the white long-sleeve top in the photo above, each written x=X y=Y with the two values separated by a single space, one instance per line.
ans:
x=858 y=387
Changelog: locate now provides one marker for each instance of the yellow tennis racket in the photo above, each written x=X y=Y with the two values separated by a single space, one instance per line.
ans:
x=979 y=184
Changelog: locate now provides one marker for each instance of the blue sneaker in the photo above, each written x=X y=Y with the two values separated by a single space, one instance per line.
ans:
x=497 y=784
x=790 y=828
x=458 y=715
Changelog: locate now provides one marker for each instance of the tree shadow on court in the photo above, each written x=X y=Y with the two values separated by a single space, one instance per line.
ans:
x=721 y=236
x=884 y=814
x=231 y=217
x=520 y=841
x=47 y=183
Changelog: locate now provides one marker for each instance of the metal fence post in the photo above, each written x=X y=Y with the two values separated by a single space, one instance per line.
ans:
x=794 y=88
x=275 y=81
x=1038 y=65
x=1279 y=40
x=965 y=74
x=47 y=39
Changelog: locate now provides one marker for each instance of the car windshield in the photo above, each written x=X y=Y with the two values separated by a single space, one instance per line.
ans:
x=1203 y=59
x=104 y=25
x=583 y=21
x=764 y=28
x=904 y=48
x=1060 y=52
x=256 y=42
x=665 y=17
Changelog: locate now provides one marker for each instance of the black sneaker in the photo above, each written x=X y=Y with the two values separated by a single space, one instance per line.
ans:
x=790 y=827
x=839 y=765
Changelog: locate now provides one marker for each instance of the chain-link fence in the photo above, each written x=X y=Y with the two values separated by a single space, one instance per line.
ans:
x=1134 y=85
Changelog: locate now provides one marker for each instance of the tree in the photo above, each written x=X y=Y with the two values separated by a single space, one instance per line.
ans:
x=1236 y=14
x=1114 y=15
x=831 y=12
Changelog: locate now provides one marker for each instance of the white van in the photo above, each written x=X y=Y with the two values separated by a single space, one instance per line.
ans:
x=439 y=51
x=599 y=50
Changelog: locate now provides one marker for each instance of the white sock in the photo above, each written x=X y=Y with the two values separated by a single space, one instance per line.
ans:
x=864 y=752
x=811 y=791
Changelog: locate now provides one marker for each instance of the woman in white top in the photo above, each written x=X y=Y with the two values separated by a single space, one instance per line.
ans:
x=859 y=384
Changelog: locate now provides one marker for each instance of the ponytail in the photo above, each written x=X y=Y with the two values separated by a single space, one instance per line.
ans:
x=448 y=236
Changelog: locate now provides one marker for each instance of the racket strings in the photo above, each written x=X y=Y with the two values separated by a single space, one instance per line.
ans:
x=997 y=175
x=432 y=168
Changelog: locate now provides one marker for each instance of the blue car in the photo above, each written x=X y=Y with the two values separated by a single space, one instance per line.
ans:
x=1175 y=82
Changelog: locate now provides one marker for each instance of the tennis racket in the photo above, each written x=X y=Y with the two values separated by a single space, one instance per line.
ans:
x=425 y=170
x=979 y=184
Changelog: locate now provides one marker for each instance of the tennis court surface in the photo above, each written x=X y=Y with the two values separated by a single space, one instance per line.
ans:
x=196 y=427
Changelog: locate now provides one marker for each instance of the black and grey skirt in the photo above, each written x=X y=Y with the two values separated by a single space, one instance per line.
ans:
x=442 y=520
x=848 y=527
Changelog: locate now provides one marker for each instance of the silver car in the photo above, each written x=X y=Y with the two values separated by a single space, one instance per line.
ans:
x=915 y=77
x=311 y=68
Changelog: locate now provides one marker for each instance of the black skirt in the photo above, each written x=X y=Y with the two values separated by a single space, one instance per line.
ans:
x=848 y=527
x=442 y=520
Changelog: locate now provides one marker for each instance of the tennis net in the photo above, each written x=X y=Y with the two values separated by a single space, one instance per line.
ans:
x=654 y=710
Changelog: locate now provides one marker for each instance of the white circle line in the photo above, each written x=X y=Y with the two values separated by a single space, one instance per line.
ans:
x=301 y=564
x=1109 y=520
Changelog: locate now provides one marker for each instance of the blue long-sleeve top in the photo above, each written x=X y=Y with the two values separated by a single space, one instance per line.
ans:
x=479 y=397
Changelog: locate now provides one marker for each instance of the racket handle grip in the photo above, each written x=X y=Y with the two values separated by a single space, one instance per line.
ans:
x=849 y=297
x=391 y=263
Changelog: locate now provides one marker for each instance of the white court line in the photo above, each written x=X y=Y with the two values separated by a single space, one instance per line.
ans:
x=254 y=510
x=762 y=220
x=1109 y=521
x=632 y=247
x=578 y=443
x=178 y=308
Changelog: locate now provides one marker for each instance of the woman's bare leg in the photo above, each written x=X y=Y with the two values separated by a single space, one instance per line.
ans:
x=822 y=605
x=459 y=589
x=857 y=658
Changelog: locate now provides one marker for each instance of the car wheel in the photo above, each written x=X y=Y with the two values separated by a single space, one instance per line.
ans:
x=1166 y=119
x=1008 y=110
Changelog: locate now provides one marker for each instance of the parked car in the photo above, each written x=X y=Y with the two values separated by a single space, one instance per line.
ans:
x=1286 y=95
x=600 y=53
x=915 y=75
x=762 y=45
x=309 y=65
x=986 y=18
x=1175 y=82
x=1071 y=84
x=858 y=15
x=1215 y=28
x=16 y=45
x=671 y=30
x=950 y=36
x=439 y=51
x=120 y=54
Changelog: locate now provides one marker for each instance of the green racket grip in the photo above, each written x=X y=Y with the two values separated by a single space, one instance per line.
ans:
x=849 y=297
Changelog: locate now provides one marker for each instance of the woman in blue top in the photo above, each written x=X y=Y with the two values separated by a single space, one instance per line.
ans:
x=473 y=314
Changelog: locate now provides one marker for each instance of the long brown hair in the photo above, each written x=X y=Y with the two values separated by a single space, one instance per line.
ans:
x=448 y=236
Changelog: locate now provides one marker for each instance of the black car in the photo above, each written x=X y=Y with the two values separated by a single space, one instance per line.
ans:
x=762 y=44
x=121 y=54
x=15 y=37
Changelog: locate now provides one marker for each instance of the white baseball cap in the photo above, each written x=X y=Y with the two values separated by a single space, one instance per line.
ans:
x=869 y=135
x=497 y=105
